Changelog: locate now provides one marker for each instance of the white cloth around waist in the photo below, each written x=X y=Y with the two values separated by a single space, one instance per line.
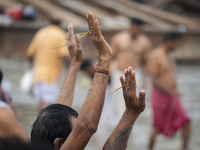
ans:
x=3 y=104
x=46 y=92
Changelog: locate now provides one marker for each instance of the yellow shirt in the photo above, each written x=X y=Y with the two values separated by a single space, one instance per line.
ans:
x=47 y=61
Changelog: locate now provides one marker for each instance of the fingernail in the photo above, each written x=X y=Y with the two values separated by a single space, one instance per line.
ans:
x=142 y=93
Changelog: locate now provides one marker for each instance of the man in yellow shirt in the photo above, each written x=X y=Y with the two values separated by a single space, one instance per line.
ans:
x=47 y=61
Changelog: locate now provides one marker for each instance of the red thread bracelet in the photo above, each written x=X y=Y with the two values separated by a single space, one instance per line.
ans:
x=100 y=71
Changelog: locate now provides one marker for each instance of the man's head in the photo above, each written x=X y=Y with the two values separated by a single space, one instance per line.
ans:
x=171 y=40
x=53 y=125
x=54 y=19
x=88 y=66
x=15 y=143
x=136 y=27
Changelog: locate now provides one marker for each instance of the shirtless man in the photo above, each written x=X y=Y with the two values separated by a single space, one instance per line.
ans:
x=79 y=128
x=5 y=97
x=130 y=48
x=168 y=113
x=11 y=127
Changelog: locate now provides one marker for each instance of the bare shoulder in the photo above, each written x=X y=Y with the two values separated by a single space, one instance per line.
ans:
x=155 y=54
x=120 y=35
x=144 y=39
x=5 y=113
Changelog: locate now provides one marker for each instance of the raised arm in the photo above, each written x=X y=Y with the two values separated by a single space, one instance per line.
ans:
x=89 y=116
x=75 y=50
x=134 y=106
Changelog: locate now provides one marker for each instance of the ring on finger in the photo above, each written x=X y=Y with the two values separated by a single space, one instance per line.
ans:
x=92 y=33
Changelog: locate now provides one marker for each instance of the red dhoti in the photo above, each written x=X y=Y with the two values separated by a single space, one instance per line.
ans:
x=168 y=114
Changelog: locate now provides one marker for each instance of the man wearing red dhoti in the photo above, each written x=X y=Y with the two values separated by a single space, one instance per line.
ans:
x=168 y=114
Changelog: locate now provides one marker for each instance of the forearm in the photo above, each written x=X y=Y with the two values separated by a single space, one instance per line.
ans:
x=67 y=91
x=97 y=94
x=119 y=138
x=89 y=116
x=93 y=105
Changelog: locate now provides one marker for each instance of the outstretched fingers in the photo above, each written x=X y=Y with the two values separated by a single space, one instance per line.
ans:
x=71 y=35
x=97 y=28
x=122 y=81
x=142 y=99
x=130 y=69
x=133 y=81
x=90 y=20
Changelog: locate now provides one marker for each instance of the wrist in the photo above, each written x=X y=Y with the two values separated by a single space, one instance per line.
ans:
x=104 y=58
x=75 y=64
x=131 y=113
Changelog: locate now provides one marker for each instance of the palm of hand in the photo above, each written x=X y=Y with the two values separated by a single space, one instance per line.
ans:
x=133 y=103
x=75 y=50
x=98 y=39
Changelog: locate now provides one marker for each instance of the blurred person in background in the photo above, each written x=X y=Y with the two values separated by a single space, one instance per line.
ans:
x=168 y=113
x=130 y=48
x=5 y=97
x=47 y=61
x=9 y=124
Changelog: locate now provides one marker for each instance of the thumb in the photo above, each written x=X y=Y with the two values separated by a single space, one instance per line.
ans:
x=122 y=81
x=142 y=97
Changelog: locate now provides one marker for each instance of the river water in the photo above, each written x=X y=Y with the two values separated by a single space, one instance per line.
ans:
x=188 y=84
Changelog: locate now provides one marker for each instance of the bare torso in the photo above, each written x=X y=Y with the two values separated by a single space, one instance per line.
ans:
x=128 y=51
x=163 y=67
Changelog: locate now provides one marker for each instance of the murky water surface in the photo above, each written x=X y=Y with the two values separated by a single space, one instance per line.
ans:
x=188 y=76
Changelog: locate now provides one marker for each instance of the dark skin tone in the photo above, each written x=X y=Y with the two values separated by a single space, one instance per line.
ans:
x=87 y=122
x=134 y=106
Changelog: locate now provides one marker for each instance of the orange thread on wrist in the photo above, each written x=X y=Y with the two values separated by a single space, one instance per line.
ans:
x=101 y=69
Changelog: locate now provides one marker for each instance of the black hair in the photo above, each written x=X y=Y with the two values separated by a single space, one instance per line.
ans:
x=55 y=21
x=171 y=36
x=85 y=64
x=15 y=143
x=1 y=76
x=137 y=21
x=53 y=122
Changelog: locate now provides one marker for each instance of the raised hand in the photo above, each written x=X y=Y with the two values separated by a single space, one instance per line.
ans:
x=98 y=39
x=75 y=48
x=133 y=103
